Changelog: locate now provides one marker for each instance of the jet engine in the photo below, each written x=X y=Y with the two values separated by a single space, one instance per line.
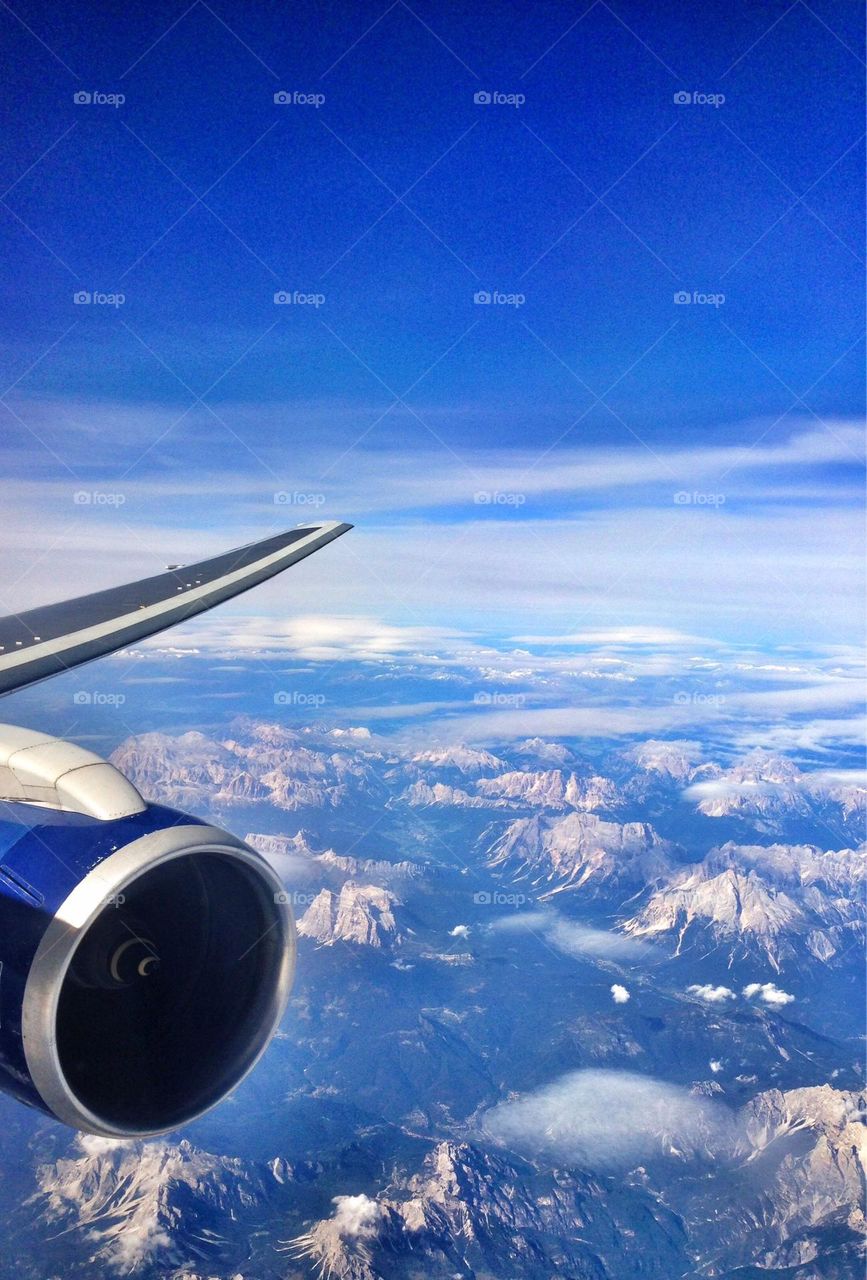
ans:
x=146 y=957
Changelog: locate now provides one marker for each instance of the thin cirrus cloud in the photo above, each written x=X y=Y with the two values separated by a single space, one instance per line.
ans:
x=333 y=454
x=573 y=938
x=581 y=542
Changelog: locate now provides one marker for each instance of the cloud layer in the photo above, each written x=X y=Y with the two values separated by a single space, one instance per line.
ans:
x=611 y=1119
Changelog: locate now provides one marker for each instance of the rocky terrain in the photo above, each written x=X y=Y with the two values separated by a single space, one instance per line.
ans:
x=363 y=914
x=558 y=1013
x=778 y=902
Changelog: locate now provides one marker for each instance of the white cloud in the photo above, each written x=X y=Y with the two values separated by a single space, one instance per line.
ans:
x=573 y=938
x=711 y=994
x=460 y=931
x=93 y=1145
x=602 y=1118
x=619 y=994
x=643 y=560
x=715 y=1065
x=322 y=637
x=768 y=993
x=617 y=637
x=357 y=1217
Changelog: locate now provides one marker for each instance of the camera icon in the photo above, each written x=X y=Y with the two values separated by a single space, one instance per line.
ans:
x=681 y=699
x=482 y=98
x=482 y=898
x=82 y=97
x=281 y=97
x=282 y=499
x=482 y=298
x=82 y=698
x=282 y=298
x=682 y=298
x=82 y=498
x=682 y=498
x=81 y=298
x=683 y=98
x=282 y=898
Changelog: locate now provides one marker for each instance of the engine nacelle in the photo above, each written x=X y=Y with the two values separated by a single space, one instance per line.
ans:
x=146 y=958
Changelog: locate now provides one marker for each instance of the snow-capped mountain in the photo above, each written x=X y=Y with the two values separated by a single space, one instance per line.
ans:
x=363 y=914
x=689 y=947
x=137 y=1204
x=460 y=757
x=779 y=902
x=551 y=789
x=294 y=855
x=270 y=765
x=466 y=1210
x=772 y=790
x=582 y=852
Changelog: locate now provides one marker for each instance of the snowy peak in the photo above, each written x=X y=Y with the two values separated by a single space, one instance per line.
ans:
x=581 y=851
x=269 y=764
x=145 y=1202
x=363 y=914
x=673 y=760
x=467 y=760
x=779 y=902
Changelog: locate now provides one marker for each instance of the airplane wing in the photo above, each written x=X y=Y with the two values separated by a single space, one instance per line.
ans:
x=56 y=637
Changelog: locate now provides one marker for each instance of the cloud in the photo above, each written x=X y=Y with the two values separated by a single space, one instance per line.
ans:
x=619 y=994
x=617 y=637
x=332 y=637
x=357 y=1217
x=768 y=993
x=460 y=931
x=574 y=938
x=715 y=1065
x=93 y=1145
x=604 y=1119
x=713 y=995
x=427 y=553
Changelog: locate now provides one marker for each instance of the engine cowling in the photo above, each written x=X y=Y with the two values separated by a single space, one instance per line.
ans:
x=145 y=959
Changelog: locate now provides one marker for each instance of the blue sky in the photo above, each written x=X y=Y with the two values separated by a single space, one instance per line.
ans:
x=514 y=466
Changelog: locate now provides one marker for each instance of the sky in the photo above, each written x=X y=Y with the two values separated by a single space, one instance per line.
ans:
x=561 y=305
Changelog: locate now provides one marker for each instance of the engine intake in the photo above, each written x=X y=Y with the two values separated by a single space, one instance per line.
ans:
x=145 y=963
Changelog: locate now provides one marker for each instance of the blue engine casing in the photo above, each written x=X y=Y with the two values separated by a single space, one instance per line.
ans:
x=106 y=1047
x=44 y=854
